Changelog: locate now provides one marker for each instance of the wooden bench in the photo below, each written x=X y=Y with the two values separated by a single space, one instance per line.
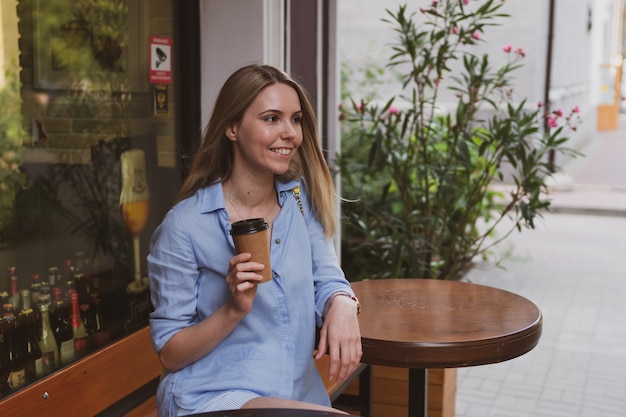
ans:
x=121 y=380
x=346 y=396
x=357 y=399
x=91 y=385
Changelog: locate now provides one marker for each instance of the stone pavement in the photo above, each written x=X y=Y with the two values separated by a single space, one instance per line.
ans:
x=573 y=266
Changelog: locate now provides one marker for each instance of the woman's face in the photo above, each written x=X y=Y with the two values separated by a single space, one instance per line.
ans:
x=269 y=133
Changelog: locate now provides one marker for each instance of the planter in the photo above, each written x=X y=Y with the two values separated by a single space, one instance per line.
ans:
x=390 y=391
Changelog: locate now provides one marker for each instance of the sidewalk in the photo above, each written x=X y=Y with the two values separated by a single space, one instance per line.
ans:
x=573 y=266
x=599 y=177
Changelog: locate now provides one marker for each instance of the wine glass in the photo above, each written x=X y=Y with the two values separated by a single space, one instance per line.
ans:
x=135 y=208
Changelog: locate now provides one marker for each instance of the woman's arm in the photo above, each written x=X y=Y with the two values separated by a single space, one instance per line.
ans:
x=194 y=342
x=340 y=337
x=174 y=262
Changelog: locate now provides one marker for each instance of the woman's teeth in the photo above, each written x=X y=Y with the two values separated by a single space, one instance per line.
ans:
x=282 y=151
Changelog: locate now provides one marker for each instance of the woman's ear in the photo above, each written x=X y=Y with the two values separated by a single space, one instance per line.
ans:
x=231 y=132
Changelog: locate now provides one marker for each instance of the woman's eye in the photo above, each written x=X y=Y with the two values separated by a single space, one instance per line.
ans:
x=296 y=119
x=271 y=119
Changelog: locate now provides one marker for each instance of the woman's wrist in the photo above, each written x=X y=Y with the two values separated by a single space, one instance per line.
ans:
x=354 y=299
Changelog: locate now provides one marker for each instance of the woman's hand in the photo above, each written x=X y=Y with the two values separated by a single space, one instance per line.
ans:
x=243 y=280
x=341 y=337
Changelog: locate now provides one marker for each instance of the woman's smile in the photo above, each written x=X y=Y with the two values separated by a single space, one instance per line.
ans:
x=282 y=151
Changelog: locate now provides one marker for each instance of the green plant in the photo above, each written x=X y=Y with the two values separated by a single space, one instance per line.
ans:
x=417 y=175
x=12 y=137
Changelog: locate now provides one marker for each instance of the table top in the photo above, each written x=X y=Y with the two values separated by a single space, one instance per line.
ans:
x=269 y=412
x=427 y=323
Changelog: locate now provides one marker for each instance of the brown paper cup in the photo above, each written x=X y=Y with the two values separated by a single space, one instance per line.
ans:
x=252 y=236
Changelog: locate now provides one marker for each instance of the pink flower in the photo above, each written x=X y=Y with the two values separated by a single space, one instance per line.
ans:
x=507 y=48
x=558 y=113
x=520 y=52
x=540 y=104
x=359 y=107
x=576 y=109
x=552 y=122
x=465 y=2
x=393 y=110
x=476 y=35
x=434 y=4
x=454 y=30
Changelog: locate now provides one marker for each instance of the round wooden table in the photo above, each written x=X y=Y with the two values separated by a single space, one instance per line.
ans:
x=423 y=323
x=269 y=412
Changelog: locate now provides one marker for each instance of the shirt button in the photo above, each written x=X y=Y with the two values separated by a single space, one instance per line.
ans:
x=277 y=241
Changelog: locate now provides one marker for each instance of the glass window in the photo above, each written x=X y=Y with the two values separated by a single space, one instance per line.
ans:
x=88 y=167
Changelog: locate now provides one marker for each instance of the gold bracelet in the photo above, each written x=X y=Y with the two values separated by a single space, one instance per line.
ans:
x=356 y=300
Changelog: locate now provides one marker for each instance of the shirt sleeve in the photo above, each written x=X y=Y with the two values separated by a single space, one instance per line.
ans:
x=173 y=275
x=327 y=274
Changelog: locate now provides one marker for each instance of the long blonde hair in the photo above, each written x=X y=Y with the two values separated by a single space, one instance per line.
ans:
x=214 y=159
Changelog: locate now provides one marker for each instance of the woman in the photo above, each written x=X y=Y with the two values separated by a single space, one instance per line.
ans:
x=225 y=340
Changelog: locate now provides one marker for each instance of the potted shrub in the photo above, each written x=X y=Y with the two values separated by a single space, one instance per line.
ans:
x=417 y=172
x=418 y=169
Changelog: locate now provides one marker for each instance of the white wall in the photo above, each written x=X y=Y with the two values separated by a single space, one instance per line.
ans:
x=362 y=34
x=235 y=33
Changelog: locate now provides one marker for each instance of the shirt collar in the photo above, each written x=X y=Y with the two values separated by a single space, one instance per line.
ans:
x=212 y=197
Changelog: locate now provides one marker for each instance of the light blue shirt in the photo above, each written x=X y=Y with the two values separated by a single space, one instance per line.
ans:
x=270 y=352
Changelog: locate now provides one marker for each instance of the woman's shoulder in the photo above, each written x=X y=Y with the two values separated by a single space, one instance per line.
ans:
x=204 y=200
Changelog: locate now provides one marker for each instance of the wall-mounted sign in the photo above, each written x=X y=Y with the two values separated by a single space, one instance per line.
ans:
x=160 y=60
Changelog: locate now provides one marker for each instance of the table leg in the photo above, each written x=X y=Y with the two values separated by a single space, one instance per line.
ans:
x=418 y=392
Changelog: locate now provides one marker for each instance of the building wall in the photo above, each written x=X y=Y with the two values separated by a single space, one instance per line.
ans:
x=294 y=35
x=232 y=36
x=75 y=120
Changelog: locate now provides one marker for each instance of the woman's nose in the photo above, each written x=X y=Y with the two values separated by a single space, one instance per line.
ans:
x=288 y=131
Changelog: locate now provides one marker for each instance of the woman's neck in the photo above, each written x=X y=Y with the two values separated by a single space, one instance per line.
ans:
x=250 y=199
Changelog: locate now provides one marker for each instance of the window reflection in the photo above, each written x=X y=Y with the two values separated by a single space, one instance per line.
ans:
x=76 y=98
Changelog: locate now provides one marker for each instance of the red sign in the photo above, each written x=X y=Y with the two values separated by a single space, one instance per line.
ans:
x=160 y=60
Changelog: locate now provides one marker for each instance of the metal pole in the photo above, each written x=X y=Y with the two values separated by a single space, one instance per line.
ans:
x=546 y=96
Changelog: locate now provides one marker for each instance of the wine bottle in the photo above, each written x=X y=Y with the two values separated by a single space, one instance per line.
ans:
x=78 y=328
x=10 y=272
x=101 y=332
x=47 y=344
x=62 y=329
x=35 y=288
x=53 y=273
x=32 y=350
x=83 y=287
x=5 y=368
x=15 y=350
x=67 y=277
x=25 y=299
x=13 y=287
x=28 y=304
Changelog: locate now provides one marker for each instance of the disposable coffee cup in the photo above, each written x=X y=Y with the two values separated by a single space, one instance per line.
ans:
x=252 y=236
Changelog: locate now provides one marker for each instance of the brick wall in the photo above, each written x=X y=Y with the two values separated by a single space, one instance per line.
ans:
x=75 y=119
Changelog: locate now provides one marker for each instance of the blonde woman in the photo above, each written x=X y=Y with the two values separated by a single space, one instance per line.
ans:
x=225 y=340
